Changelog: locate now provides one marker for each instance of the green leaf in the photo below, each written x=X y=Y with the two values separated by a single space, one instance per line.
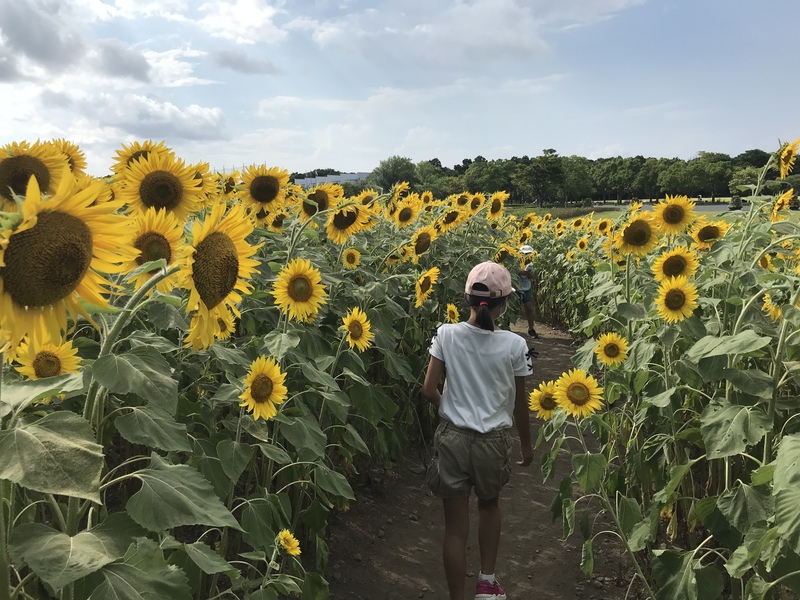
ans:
x=17 y=394
x=631 y=311
x=232 y=357
x=275 y=453
x=745 y=342
x=209 y=561
x=315 y=587
x=630 y=513
x=661 y=400
x=354 y=439
x=640 y=354
x=151 y=265
x=567 y=518
x=354 y=376
x=787 y=516
x=750 y=381
x=756 y=588
x=148 y=338
x=132 y=373
x=316 y=376
x=676 y=475
x=174 y=495
x=333 y=482
x=284 y=584
x=746 y=556
x=763 y=474
x=587 y=558
x=154 y=427
x=58 y=559
x=165 y=316
x=279 y=344
x=55 y=455
x=787 y=465
x=744 y=506
x=674 y=575
x=729 y=429
x=304 y=434
x=142 y=574
x=642 y=533
x=589 y=470
x=263 y=594
x=234 y=457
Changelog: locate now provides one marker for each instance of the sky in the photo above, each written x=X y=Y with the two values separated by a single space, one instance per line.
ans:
x=344 y=84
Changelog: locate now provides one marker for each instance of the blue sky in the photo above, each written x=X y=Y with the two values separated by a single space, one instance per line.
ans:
x=305 y=84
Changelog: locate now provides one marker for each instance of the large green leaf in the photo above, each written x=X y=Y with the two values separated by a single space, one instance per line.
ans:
x=56 y=455
x=315 y=587
x=589 y=470
x=743 y=506
x=333 y=482
x=639 y=355
x=303 y=433
x=58 y=559
x=744 y=342
x=234 y=457
x=139 y=372
x=278 y=344
x=746 y=556
x=787 y=465
x=751 y=381
x=17 y=394
x=142 y=574
x=209 y=561
x=154 y=427
x=787 y=516
x=729 y=429
x=174 y=495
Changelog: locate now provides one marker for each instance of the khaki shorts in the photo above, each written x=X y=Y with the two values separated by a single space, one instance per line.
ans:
x=464 y=458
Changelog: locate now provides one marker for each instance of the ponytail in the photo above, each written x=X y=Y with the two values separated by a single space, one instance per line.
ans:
x=483 y=305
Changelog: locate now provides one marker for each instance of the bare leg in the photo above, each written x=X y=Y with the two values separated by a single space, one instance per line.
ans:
x=454 y=549
x=489 y=533
x=529 y=314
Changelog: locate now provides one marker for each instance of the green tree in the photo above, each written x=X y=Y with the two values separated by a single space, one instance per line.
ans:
x=578 y=181
x=751 y=158
x=743 y=176
x=542 y=178
x=486 y=176
x=440 y=181
x=391 y=171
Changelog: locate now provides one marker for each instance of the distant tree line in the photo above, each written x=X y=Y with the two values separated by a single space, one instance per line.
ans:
x=553 y=180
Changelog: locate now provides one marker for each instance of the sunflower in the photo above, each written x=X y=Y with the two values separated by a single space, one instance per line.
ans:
x=505 y=252
x=781 y=204
x=226 y=322
x=263 y=388
x=571 y=256
x=421 y=242
x=346 y=221
x=675 y=262
x=351 y=258
x=425 y=285
x=298 y=291
x=788 y=156
x=157 y=235
x=765 y=262
x=367 y=197
x=263 y=188
x=611 y=349
x=773 y=311
x=497 y=203
x=289 y=543
x=559 y=225
x=359 y=330
x=206 y=181
x=604 y=226
x=276 y=220
x=674 y=214
x=453 y=315
x=426 y=197
x=525 y=236
x=398 y=191
x=160 y=180
x=75 y=158
x=227 y=184
x=706 y=233
x=216 y=265
x=128 y=155
x=476 y=203
x=582 y=244
x=677 y=298
x=54 y=256
x=451 y=219
x=578 y=223
x=543 y=400
x=578 y=393
x=21 y=161
x=406 y=211
x=638 y=236
x=39 y=361
x=320 y=198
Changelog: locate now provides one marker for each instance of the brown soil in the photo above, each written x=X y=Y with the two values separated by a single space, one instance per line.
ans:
x=388 y=545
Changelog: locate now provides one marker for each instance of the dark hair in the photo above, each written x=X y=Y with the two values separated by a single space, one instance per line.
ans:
x=482 y=305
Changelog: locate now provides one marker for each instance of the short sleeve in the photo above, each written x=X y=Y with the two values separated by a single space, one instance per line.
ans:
x=521 y=361
x=436 y=345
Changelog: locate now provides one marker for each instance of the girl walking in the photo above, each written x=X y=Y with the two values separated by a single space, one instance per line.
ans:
x=483 y=395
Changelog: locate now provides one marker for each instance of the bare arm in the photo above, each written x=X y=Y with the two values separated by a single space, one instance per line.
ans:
x=522 y=421
x=430 y=388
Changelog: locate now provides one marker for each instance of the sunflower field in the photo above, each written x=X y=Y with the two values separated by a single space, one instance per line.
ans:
x=680 y=416
x=196 y=364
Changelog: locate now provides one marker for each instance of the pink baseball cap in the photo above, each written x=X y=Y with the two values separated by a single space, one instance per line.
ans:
x=493 y=276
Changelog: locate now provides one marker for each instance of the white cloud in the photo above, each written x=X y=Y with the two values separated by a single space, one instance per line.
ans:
x=243 y=21
x=168 y=70
x=100 y=10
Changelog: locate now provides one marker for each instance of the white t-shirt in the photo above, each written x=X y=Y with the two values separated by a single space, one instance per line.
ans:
x=479 y=387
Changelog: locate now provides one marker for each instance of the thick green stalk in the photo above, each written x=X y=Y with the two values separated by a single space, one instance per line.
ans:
x=5 y=575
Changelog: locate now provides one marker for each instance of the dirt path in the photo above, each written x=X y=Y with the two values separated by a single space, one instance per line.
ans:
x=388 y=545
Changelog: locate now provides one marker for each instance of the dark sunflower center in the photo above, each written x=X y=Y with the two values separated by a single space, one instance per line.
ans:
x=262 y=214
x=17 y=170
x=277 y=222
x=673 y=214
x=300 y=288
x=547 y=402
x=265 y=189
x=674 y=266
x=344 y=219
x=47 y=262
x=476 y=202
x=161 y=189
x=764 y=262
x=229 y=186
x=261 y=388
x=368 y=199
x=674 y=299
x=425 y=284
x=143 y=154
x=350 y=258
x=450 y=217
x=578 y=393
x=71 y=161
x=321 y=198
x=216 y=268
x=462 y=200
x=578 y=223
x=637 y=233
x=708 y=233
x=46 y=364
x=356 y=329
x=153 y=246
x=602 y=227
x=405 y=215
x=423 y=242
x=582 y=245
x=496 y=206
x=788 y=156
x=611 y=350
x=502 y=255
x=223 y=325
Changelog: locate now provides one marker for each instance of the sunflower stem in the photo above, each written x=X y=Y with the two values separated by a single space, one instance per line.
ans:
x=5 y=575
